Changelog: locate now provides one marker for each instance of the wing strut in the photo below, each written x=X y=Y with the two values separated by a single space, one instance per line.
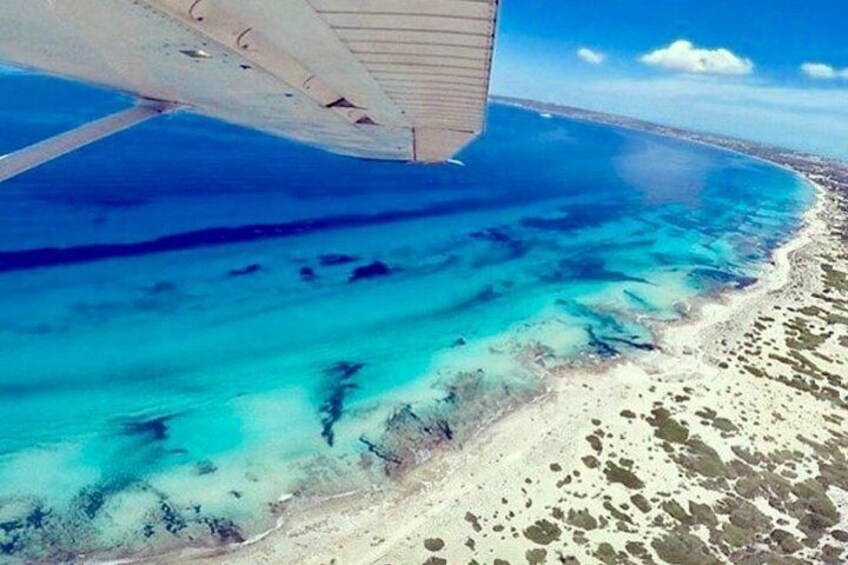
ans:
x=30 y=157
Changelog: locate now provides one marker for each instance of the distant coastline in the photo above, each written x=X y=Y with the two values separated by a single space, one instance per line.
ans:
x=833 y=172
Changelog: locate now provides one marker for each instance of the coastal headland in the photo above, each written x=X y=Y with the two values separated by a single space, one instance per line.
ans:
x=727 y=443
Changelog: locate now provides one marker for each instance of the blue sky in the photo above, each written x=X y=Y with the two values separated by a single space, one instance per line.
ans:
x=741 y=73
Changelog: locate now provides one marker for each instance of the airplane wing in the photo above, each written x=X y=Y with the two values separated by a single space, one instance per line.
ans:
x=383 y=79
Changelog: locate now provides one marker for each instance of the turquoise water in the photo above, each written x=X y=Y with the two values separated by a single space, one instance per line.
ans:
x=196 y=320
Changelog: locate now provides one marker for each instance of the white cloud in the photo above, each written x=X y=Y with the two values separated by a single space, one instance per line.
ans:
x=590 y=56
x=822 y=71
x=818 y=70
x=683 y=56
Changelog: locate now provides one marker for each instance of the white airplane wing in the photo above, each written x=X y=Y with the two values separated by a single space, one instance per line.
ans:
x=384 y=79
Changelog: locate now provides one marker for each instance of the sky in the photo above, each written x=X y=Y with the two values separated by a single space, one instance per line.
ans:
x=768 y=70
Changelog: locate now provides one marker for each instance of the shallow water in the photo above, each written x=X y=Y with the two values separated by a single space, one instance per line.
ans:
x=196 y=319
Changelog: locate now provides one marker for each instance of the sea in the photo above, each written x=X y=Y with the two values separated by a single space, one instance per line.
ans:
x=200 y=324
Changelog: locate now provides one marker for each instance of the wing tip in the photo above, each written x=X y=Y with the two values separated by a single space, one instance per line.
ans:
x=435 y=145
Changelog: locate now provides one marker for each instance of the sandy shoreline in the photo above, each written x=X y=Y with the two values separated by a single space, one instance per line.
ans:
x=658 y=458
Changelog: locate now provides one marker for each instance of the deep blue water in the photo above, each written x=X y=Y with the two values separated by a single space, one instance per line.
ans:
x=196 y=319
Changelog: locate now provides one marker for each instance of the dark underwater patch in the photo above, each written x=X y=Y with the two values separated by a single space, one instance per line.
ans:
x=605 y=345
x=19 y=532
x=599 y=346
x=644 y=304
x=89 y=501
x=587 y=269
x=631 y=342
x=205 y=467
x=153 y=429
x=503 y=241
x=485 y=295
x=212 y=237
x=334 y=259
x=745 y=282
x=171 y=518
x=337 y=385
x=245 y=271
x=38 y=534
x=224 y=530
x=374 y=270
x=675 y=260
x=715 y=278
x=599 y=318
